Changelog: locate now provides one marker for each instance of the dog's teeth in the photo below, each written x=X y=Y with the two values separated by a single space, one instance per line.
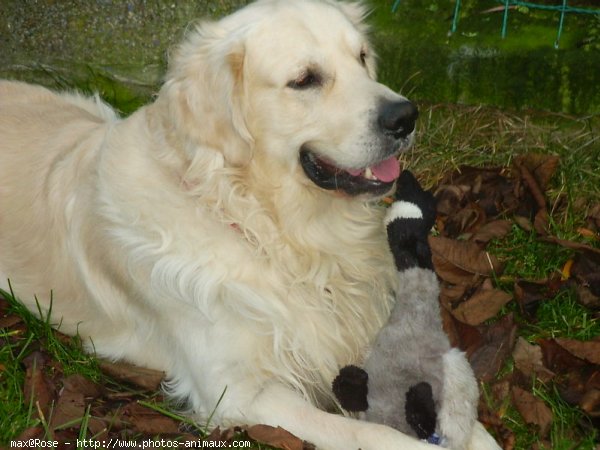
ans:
x=369 y=174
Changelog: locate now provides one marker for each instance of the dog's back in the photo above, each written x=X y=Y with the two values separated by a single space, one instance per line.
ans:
x=48 y=143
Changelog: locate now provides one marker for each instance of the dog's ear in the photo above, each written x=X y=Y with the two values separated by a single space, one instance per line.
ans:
x=205 y=94
x=357 y=12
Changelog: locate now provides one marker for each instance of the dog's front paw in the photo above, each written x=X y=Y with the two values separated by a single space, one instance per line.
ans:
x=408 y=222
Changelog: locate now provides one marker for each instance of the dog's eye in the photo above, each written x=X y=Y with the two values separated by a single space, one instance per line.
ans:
x=306 y=80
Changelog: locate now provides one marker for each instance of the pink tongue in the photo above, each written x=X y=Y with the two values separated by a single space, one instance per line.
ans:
x=387 y=170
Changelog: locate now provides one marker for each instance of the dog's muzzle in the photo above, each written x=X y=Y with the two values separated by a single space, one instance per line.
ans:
x=396 y=123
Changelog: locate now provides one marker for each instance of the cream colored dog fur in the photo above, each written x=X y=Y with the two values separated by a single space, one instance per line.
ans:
x=187 y=238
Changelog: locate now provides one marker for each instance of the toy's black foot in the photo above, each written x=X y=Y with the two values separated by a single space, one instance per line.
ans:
x=351 y=388
x=420 y=410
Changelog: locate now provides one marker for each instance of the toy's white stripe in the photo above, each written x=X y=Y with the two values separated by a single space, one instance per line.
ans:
x=402 y=210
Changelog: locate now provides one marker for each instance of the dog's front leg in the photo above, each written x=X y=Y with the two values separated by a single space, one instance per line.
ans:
x=277 y=405
x=215 y=367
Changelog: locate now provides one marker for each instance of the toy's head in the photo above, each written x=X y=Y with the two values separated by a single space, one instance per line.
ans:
x=408 y=222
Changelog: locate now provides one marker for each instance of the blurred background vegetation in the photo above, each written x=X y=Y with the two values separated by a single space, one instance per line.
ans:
x=119 y=48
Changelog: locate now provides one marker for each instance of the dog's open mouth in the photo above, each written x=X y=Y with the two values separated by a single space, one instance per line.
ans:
x=374 y=180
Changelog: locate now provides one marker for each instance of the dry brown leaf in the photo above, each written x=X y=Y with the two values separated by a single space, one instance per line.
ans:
x=79 y=383
x=499 y=340
x=572 y=245
x=529 y=180
x=529 y=294
x=528 y=359
x=69 y=409
x=214 y=435
x=140 y=376
x=558 y=359
x=541 y=222
x=66 y=439
x=586 y=270
x=469 y=337
x=587 y=233
x=577 y=387
x=586 y=297
x=590 y=403
x=541 y=166
x=489 y=188
x=578 y=378
x=31 y=433
x=98 y=427
x=450 y=255
x=500 y=392
x=468 y=219
x=588 y=350
x=9 y=320
x=450 y=198
x=146 y=420
x=452 y=295
x=533 y=410
x=454 y=275
x=593 y=218
x=524 y=223
x=71 y=402
x=483 y=305
x=275 y=437
x=37 y=388
x=495 y=229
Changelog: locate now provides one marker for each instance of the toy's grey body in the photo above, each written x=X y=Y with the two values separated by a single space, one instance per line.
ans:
x=404 y=350
x=413 y=348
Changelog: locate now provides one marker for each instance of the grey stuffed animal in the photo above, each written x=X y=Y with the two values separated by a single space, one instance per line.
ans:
x=412 y=379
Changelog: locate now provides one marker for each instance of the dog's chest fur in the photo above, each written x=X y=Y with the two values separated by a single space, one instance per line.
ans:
x=333 y=293
x=307 y=278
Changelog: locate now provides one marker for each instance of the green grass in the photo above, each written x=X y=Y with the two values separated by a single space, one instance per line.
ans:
x=527 y=257
x=15 y=412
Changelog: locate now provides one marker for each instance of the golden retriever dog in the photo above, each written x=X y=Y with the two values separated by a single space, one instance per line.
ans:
x=229 y=233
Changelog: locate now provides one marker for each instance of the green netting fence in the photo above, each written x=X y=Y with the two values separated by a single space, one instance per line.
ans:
x=562 y=8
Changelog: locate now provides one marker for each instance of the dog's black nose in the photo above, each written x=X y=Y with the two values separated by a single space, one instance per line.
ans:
x=398 y=118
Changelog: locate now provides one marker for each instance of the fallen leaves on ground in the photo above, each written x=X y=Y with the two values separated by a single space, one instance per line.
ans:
x=476 y=206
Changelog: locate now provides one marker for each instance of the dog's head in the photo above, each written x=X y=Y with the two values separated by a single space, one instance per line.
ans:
x=293 y=80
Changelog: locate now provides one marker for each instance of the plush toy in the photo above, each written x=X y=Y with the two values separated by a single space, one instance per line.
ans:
x=412 y=379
